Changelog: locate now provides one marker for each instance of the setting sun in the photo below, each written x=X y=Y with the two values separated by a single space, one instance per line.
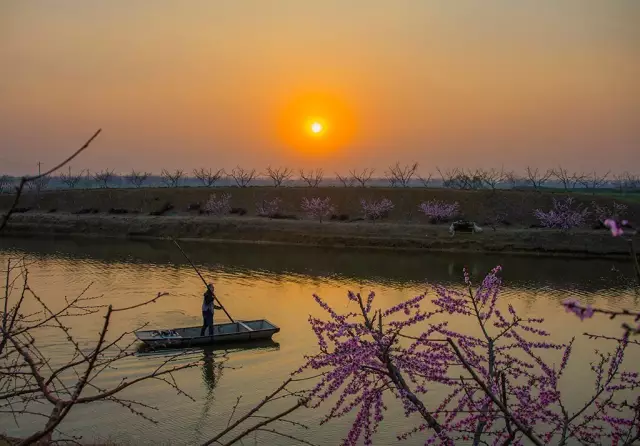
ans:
x=316 y=127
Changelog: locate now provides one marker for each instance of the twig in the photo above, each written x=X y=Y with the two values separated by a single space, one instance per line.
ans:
x=26 y=179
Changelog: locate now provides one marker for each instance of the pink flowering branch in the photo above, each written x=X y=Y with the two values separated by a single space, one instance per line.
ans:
x=509 y=392
x=624 y=230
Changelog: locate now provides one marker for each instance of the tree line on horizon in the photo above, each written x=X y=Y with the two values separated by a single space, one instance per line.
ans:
x=396 y=175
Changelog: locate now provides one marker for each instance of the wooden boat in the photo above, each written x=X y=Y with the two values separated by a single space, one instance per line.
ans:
x=228 y=333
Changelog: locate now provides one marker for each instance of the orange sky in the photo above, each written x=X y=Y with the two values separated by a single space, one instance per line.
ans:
x=473 y=83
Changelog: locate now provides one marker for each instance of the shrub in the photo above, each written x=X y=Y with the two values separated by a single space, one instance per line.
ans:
x=375 y=210
x=563 y=215
x=268 y=208
x=603 y=213
x=317 y=207
x=218 y=206
x=439 y=211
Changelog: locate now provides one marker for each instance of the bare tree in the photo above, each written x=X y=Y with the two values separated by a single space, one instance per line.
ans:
x=137 y=178
x=449 y=178
x=5 y=183
x=425 y=180
x=398 y=175
x=39 y=185
x=363 y=177
x=562 y=175
x=171 y=179
x=512 y=179
x=594 y=181
x=346 y=181
x=279 y=175
x=626 y=181
x=536 y=178
x=313 y=178
x=104 y=177
x=243 y=177
x=492 y=177
x=470 y=180
x=70 y=180
x=208 y=177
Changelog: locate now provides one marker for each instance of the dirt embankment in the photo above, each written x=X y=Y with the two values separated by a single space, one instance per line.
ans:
x=57 y=212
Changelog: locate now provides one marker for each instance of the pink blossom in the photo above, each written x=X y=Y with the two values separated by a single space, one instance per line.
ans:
x=375 y=210
x=563 y=215
x=364 y=358
x=439 y=211
x=317 y=207
x=616 y=230
x=572 y=305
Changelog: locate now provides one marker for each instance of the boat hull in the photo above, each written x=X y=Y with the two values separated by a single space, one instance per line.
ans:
x=229 y=333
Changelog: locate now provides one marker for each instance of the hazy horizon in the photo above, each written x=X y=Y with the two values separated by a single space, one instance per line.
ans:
x=475 y=84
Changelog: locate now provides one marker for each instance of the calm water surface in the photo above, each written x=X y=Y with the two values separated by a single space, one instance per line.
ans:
x=276 y=283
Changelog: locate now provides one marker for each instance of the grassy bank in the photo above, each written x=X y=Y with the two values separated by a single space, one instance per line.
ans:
x=61 y=213
x=514 y=207
x=382 y=235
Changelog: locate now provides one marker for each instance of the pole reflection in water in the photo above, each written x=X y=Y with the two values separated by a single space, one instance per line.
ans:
x=214 y=359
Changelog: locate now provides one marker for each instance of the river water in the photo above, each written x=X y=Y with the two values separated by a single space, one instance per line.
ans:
x=275 y=283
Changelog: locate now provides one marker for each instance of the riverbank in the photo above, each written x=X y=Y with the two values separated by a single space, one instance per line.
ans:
x=359 y=234
x=510 y=208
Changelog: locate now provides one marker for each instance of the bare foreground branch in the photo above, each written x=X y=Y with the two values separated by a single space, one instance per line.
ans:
x=29 y=380
x=30 y=383
x=28 y=179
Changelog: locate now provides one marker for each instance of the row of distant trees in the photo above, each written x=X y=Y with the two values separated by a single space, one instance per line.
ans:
x=396 y=175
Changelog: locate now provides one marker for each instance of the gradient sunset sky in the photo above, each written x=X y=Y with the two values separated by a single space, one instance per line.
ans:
x=215 y=83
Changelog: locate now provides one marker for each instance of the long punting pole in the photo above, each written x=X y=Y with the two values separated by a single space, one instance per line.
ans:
x=204 y=281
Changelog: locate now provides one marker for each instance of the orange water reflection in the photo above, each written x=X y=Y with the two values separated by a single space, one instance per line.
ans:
x=276 y=284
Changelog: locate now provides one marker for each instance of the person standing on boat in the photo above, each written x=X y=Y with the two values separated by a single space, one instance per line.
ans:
x=207 y=310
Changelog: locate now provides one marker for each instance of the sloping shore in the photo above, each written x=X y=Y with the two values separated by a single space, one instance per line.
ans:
x=360 y=234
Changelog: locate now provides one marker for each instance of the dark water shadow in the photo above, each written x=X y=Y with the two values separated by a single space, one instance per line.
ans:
x=390 y=267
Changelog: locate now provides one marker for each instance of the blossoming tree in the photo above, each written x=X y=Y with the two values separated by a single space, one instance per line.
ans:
x=375 y=210
x=563 y=215
x=218 y=205
x=268 y=208
x=501 y=385
x=439 y=211
x=317 y=208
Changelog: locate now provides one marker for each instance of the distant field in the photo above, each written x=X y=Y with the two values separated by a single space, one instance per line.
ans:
x=515 y=207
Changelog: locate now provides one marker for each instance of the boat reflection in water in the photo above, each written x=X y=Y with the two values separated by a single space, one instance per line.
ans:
x=213 y=358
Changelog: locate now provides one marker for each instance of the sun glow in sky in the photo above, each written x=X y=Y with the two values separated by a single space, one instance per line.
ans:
x=450 y=84
x=316 y=127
